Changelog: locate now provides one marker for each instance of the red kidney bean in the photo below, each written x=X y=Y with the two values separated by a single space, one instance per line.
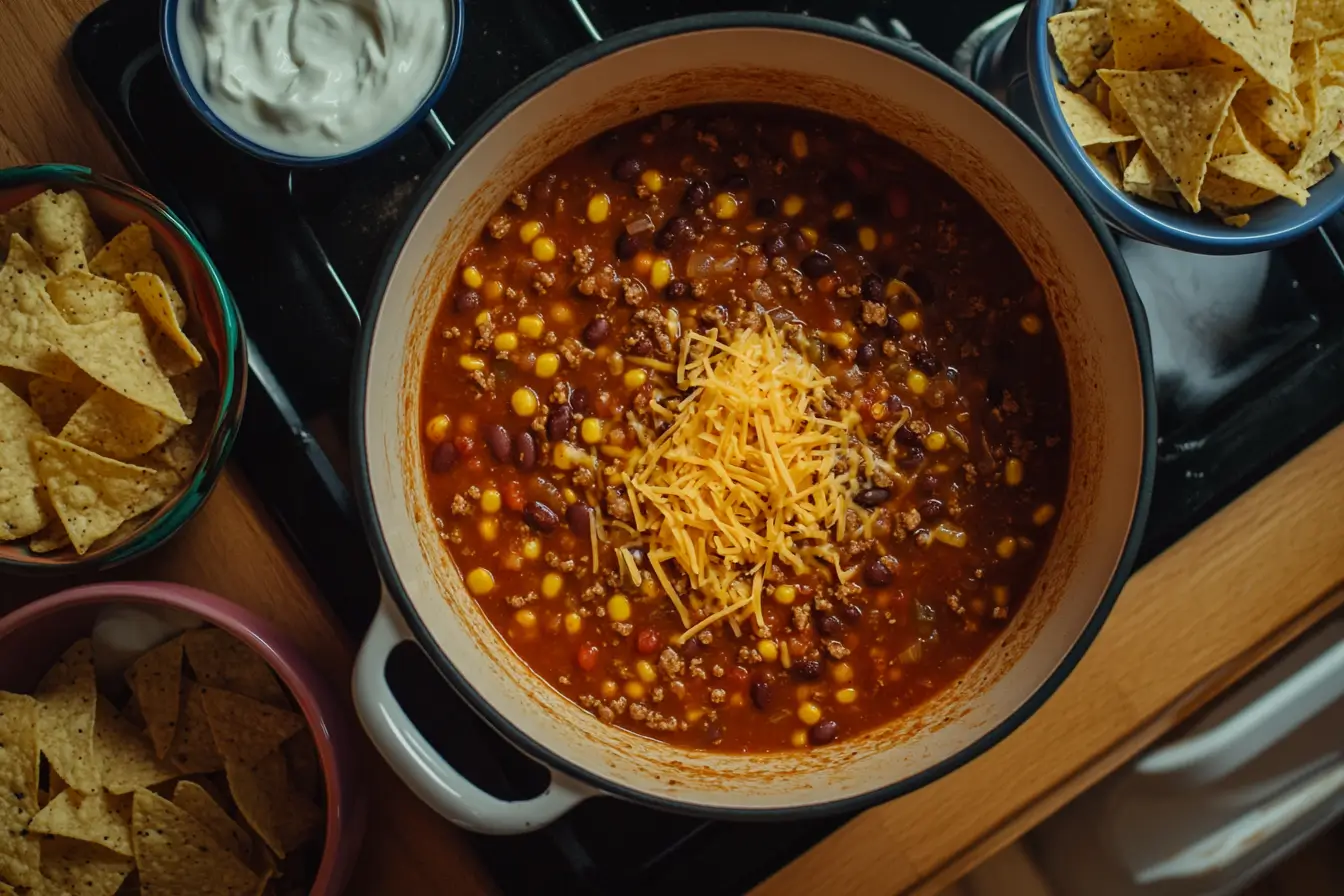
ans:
x=871 y=497
x=597 y=330
x=627 y=169
x=525 y=452
x=558 y=422
x=648 y=641
x=580 y=399
x=851 y=612
x=697 y=194
x=817 y=264
x=823 y=732
x=678 y=290
x=546 y=492
x=796 y=241
x=773 y=247
x=500 y=443
x=466 y=445
x=829 y=625
x=690 y=649
x=466 y=301
x=580 y=519
x=540 y=517
x=877 y=574
x=767 y=207
x=445 y=457
x=587 y=657
x=807 y=670
x=761 y=694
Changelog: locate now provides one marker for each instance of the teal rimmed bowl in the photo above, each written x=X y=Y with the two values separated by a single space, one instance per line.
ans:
x=114 y=205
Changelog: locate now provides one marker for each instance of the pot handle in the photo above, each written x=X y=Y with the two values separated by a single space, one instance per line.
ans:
x=442 y=787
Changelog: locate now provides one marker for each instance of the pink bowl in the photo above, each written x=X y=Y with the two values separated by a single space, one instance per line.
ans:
x=33 y=637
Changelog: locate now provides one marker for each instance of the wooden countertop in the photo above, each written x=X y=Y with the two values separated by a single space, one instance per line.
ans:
x=1187 y=625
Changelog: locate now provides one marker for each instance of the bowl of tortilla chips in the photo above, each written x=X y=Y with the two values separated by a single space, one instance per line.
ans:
x=1211 y=126
x=122 y=371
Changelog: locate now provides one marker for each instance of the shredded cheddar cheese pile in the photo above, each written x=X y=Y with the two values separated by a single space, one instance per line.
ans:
x=751 y=472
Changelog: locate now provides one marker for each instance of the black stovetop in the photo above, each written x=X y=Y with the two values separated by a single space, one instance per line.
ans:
x=1249 y=352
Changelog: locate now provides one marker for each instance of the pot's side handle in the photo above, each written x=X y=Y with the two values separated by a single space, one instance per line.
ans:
x=428 y=774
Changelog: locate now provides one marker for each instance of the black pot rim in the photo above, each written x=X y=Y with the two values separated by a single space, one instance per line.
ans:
x=916 y=56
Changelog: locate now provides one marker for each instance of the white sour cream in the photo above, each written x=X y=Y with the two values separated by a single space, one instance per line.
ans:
x=313 y=77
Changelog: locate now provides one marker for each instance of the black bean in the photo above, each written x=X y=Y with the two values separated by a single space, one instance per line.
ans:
x=678 y=290
x=540 y=517
x=499 y=442
x=830 y=625
x=466 y=301
x=926 y=362
x=851 y=612
x=580 y=519
x=525 y=452
x=762 y=694
x=736 y=181
x=697 y=194
x=807 y=670
x=675 y=228
x=877 y=574
x=626 y=169
x=597 y=330
x=445 y=456
x=873 y=288
x=767 y=207
x=843 y=231
x=690 y=649
x=797 y=241
x=817 y=264
x=823 y=732
x=773 y=247
x=868 y=353
x=579 y=399
x=914 y=456
x=894 y=328
x=871 y=497
x=628 y=245
x=931 y=509
x=907 y=436
x=558 y=422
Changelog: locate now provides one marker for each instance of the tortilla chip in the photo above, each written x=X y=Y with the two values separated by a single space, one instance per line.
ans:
x=1254 y=167
x=28 y=324
x=177 y=854
x=66 y=700
x=1326 y=134
x=1088 y=126
x=22 y=511
x=20 y=856
x=193 y=750
x=154 y=298
x=1104 y=163
x=1224 y=194
x=1231 y=139
x=83 y=298
x=1265 y=42
x=247 y=729
x=1178 y=113
x=92 y=494
x=305 y=765
x=117 y=427
x=132 y=250
x=1314 y=175
x=1155 y=34
x=55 y=401
x=283 y=819
x=52 y=537
x=1145 y=177
x=99 y=818
x=156 y=680
x=83 y=869
x=1281 y=113
x=116 y=352
x=1318 y=19
x=222 y=661
x=63 y=230
x=1082 y=38
x=25 y=259
x=125 y=755
x=197 y=802
x=179 y=455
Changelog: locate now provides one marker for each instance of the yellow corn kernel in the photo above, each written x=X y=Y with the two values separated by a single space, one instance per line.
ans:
x=471 y=362
x=471 y=277
x=935 y=441
x=573 y=623
x=792 y=205
x=652 y=179
x=809 y=234
x=634 y=690
x=768 y=650
x=493 y=290
x=590 y=430
x=1031 y=324
x=436 y=428
x=661 y=274
x=917 y=382
x=636 y=377
x=840 y=340
x=543 y=249
x=490 y=500
x=524 y=402
x=846 y=695
x=1000 y=593
x=532 y=549
x=610 y=689
x=599 y=207
x=843 y=211
x=646 y=671
x=867 y=239
x=506 y=341
x=489 y=528
x=1006 y=547
x=725 y=206
x=480 y=581
x=552 y=584
x=785 y=594
x=526 y=618
x=1043 y=514
x=570 y=495
x=949 y=534
x=618 y=608
x=1012 y=471
x=809 y=713
x=643 y=262
x=798 y=738
x=798 y=144
x=548 y=364
x=562 y=313
x=910 y=321
x=532 y=326
x=530 y=231
x=842 y=673
x=483 y=318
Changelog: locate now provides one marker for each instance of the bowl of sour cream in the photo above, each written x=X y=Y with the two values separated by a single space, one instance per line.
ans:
x=311 y=82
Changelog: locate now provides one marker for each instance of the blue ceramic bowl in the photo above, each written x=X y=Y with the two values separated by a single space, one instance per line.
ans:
x=172 y=51
x=114 y=205
x=1276 y=222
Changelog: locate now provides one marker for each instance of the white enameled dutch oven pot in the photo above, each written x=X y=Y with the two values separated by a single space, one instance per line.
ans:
x=902 y=92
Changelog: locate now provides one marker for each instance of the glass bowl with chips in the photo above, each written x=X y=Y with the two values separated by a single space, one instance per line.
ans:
x=1178 y=138
x=122 y=371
